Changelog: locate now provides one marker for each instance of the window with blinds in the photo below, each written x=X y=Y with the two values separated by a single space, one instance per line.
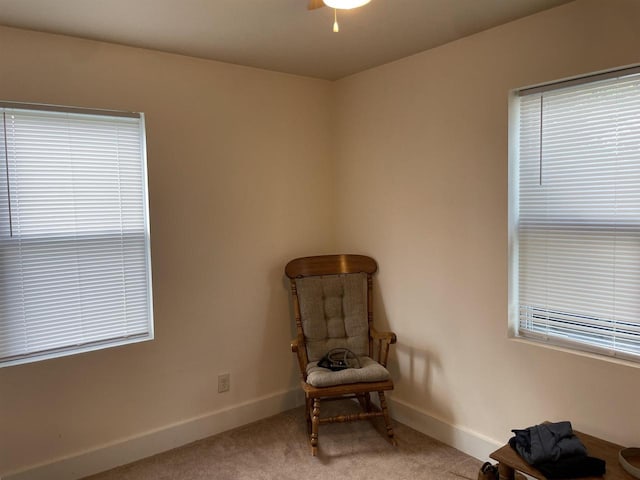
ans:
x=74 y=239
x=576 y=215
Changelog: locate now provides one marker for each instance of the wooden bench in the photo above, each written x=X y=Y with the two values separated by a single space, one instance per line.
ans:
x=509 y=461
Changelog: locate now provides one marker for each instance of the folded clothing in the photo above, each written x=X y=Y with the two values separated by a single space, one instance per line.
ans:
x=554 y=450
x=547 y=442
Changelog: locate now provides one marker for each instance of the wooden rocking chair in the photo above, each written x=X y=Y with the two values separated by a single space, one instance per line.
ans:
x=332 y=302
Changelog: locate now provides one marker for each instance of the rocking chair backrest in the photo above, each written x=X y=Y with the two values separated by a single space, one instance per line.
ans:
x=332 y=302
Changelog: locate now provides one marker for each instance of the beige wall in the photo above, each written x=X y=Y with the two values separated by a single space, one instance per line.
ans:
x=239 y=181
x=241 y=178
x=422 y=186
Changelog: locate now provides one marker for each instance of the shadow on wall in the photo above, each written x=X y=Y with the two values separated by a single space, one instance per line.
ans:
x=417 y=372
x=422 y=398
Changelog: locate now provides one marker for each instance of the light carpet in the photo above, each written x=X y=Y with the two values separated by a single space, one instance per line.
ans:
x=278 y=448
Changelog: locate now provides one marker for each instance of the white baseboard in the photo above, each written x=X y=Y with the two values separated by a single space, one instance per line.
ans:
x=466 y=440
x=150 y=443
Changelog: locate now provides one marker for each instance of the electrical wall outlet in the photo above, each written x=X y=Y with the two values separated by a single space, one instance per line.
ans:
x=224 y=382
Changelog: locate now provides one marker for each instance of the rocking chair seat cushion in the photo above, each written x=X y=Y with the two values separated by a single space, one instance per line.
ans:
x=370 y=371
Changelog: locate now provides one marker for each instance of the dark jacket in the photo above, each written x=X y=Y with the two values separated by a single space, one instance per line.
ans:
x=547 y=442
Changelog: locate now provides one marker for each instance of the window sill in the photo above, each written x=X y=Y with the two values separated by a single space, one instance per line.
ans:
x=582 y=353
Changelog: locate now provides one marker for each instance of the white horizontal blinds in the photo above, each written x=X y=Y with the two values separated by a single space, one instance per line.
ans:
x=4 y=191
x=74 y=268
x=579 y=216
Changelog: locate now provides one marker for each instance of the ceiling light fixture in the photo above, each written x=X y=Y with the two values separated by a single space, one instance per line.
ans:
x=345 y=4
x=338 y=5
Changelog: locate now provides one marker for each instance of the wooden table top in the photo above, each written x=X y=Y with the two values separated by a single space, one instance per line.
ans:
x=596 y=447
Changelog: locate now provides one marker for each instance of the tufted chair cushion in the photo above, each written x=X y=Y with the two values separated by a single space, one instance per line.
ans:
x=334 y=313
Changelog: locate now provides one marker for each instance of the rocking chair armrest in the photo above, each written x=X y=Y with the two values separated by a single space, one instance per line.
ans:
x=294 y=345
x=388 y=337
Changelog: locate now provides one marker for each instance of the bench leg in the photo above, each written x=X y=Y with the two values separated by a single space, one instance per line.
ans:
x=505 y=472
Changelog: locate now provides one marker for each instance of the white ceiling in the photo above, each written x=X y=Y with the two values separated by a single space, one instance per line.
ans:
x=279 y=35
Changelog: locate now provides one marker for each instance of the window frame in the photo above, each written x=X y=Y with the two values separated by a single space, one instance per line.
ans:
x=513 y=307
x=34 y=356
